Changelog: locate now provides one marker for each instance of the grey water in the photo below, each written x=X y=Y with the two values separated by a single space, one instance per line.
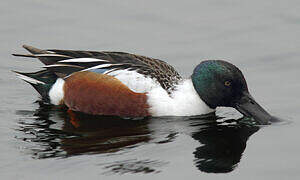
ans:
x=260 y=37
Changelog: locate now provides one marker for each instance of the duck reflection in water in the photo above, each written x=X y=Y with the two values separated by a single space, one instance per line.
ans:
x=78 y=133
x=56 y=133
x=222 y=145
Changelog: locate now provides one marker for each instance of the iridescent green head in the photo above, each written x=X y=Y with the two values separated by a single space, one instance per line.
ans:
x=220 y=83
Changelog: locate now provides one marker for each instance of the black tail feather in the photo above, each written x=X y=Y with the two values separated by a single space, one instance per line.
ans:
x=45 y=56
x=34 y=50
x=25 y=55
x=41 y=81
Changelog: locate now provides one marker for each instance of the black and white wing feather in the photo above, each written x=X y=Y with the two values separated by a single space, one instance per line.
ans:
x=65 y=62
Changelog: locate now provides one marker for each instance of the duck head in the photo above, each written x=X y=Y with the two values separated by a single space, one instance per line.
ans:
x=220 y=83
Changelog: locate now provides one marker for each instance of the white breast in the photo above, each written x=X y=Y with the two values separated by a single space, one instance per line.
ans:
x=184 y=101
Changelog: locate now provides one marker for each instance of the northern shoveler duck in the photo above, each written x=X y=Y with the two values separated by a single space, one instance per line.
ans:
x=129 y=85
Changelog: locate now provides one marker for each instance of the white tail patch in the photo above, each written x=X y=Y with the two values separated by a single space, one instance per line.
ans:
x=29 y=79
x=56 y=93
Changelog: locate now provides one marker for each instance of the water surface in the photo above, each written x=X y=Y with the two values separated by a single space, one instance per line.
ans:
x=261 y=38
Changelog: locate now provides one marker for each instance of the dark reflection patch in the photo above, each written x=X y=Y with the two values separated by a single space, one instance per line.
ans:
x=134 y=166
x=221 y=147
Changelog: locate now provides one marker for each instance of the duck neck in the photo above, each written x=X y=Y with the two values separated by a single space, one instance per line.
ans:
x=187 y=99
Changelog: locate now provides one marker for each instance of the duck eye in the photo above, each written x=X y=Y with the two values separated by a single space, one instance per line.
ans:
x=227 y=83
